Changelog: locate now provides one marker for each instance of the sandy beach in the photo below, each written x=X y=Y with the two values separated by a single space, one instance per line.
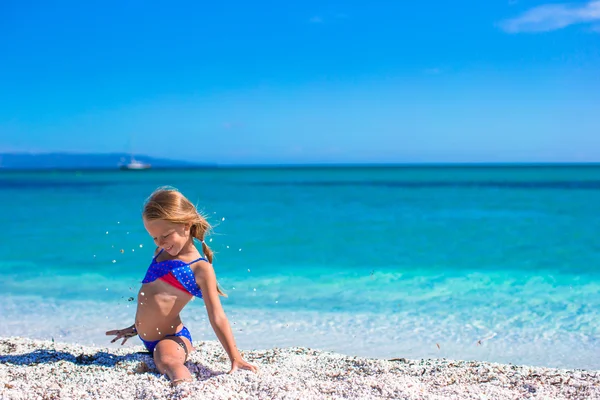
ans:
x=31 y=369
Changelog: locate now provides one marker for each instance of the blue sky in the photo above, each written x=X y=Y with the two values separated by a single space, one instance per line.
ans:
x=303 y=82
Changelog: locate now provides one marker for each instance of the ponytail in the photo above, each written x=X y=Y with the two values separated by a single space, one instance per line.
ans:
x=198 y=230
x=207 y=252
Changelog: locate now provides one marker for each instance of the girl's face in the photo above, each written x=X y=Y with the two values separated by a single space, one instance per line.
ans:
x=167 y=235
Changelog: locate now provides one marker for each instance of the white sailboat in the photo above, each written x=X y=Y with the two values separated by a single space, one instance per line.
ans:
x=134 y=164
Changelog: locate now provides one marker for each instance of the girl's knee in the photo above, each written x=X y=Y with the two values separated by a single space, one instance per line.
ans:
x=163 y=363
x=167 y=360
x=168 y=355
x=169 y=366
x=172 y=366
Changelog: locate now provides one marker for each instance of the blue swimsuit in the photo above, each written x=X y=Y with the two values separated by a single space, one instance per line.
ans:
x=179 y=274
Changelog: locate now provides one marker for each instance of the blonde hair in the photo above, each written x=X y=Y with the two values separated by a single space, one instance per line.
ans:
x=169 y=204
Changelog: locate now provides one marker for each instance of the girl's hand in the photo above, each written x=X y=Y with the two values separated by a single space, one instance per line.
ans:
x=240 y=363
x=123 y=333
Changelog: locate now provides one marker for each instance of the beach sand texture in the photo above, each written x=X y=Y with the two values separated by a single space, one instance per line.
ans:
x=33 y=369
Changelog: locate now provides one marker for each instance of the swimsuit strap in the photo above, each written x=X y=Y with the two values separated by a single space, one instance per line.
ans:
x=201 y=258
x=159 y=253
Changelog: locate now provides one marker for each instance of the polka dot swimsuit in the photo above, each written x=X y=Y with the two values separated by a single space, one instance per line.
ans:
x=180 y=270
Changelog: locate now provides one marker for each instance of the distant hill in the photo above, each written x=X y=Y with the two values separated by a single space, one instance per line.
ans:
x=29 y=161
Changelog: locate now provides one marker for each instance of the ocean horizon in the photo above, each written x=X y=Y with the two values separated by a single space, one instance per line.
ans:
x=179 y=165
x=493 y=262
x=106 y=162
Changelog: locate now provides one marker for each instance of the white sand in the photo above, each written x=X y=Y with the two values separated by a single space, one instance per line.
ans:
x=44 y=370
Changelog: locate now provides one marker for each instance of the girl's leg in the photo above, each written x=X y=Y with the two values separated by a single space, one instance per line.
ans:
x=170 y=355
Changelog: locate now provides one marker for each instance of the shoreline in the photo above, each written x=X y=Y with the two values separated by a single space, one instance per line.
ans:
x=54 y=370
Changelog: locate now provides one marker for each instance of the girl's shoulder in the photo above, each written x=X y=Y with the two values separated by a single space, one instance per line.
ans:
x=201 y=269
x=192 y=258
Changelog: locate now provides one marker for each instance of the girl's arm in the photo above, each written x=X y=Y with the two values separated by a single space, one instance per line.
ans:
x=205 y=276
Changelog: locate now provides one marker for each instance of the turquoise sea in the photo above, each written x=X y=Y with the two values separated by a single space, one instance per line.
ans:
x=487 y=263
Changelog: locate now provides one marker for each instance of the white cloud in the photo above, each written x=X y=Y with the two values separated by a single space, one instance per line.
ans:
x=316 y=20
x=550 y=17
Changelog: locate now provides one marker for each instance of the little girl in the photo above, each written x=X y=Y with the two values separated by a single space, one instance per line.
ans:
x=176 y=274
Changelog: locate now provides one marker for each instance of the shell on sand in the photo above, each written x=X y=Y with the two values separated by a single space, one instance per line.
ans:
x=31 y=369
